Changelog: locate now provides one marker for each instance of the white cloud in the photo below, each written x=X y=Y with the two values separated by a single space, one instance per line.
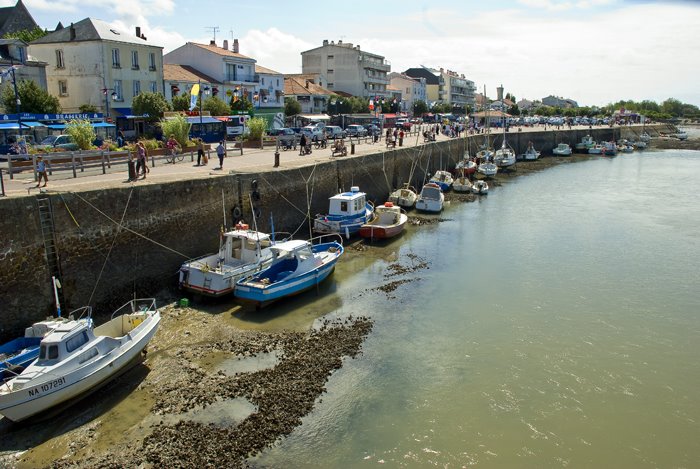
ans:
x=275 y=49
x=559 y=5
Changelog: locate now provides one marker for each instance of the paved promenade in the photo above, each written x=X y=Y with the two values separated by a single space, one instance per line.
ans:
x=252 y=160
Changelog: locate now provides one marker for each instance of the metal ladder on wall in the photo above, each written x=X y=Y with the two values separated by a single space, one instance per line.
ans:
x=48 y=236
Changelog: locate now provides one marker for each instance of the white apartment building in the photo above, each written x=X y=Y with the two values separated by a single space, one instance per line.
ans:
x=349 y=69
x=412 y=90
x=91 y=62
x=456 y=90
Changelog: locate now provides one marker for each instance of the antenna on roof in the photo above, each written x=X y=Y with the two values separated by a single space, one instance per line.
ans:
x=213 y=30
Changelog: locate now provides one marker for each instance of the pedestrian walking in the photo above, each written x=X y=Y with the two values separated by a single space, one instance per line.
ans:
x=41 y=171
x=221 y=153
x=200 y=152
x=141 y=163
x=302 y=144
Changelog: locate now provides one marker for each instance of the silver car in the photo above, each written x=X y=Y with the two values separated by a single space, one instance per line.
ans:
x=356 y=130
x=333 y=131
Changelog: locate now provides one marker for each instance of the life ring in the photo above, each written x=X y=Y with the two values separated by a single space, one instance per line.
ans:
x=255 y=195
x=254 y=185
x=237 y=212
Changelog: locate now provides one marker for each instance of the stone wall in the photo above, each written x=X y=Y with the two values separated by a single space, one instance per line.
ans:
x=165 y=224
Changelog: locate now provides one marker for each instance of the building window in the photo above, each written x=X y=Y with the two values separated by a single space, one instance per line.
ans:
x=329 y=71
x=330 y=57
x=116 y=62
x=330 y=85
x=118 y=90
x=62 y=88
x=230 y=72
x=262 y=81
x=22 y=54
x=134 y=60
x=152 y=61
x=154 y=87
x=137 y=87
x=59 y=59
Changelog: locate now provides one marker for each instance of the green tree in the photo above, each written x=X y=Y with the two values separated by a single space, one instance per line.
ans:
x=34 y=99
x=178 y=127
x=26 y=35
x=88 y=109
x=216 y=106
x=242 y=104
x=181 y=102
x=441 y=108
x=358 y=105
x=152 y=104
x=257 y=126
x=514 y=110
x=291 y=107
x=82 y=132
x=419 y=107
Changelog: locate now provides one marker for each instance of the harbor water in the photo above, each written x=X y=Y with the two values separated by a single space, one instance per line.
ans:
x=557 y=325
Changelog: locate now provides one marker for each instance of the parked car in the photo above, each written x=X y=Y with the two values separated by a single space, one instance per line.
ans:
x=403 y=124
x=64 y=142
x=285 y=136
x=356 y=130
x=313 y=132
x=373 y=129
x=333 y=131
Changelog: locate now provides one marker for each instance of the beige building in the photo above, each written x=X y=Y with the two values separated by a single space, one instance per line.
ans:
x=412 y=90
x=90 y=62
x=349 y=69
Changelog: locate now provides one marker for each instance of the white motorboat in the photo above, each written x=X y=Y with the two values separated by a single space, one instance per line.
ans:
x=563 y=149
x=480 y=187
x=462 y=184
x=404 y=197
x=645 y=137
x=530 y=154
x=242 y=252
x=596 y=149
x=431 y=198
x=640 y=144
x=347 y=212
x=488 y=168
x=585 y=143
x=681 y=135
x=75 y=359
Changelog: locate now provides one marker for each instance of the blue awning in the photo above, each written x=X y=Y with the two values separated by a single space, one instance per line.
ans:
x=102 y=124
x=32 y=124
x=205 y=120
x=9 y=126
x=126 y=111
x=56 y=126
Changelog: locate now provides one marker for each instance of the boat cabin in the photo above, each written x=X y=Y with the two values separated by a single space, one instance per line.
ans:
x=63 y=341
x=243 y=244
x=431 y=191
x=348 y=203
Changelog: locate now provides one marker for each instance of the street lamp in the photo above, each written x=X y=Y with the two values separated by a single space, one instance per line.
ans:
x=114 y=97
x=204 y=90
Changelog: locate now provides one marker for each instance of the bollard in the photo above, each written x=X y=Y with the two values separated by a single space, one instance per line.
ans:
x=2 y=185
x=400 y=141
x=352 y=148
x=277 y=159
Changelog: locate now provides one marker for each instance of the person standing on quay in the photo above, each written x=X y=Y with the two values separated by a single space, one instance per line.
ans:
x=141 y=159
x=200 y=152
x=41 y=171
x=221 y=152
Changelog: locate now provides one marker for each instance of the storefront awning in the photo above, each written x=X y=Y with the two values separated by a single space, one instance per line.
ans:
x=56 y=126
x=33 y=124
x=9 y=126
x=102 y=124
x=315 y=117
x=205 y=120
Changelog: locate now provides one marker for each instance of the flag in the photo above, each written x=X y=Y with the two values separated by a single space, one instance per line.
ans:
x=371 y=105
x=193 y=96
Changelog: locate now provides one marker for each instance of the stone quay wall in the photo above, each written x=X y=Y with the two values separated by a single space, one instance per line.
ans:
x=162 y=225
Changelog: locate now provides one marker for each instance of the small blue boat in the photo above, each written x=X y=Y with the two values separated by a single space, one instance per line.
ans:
x=443 y=179
x=347 y=212
x=296 y=266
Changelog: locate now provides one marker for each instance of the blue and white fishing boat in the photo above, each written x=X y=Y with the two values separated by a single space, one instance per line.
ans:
x=16 y=354
x=347 y=212
x=443 y=179
x=297 y=265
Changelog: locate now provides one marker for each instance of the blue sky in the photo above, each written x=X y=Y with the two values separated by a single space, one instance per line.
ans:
x=593 y=51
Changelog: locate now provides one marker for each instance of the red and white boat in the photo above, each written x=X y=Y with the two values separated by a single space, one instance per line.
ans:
x=388 y=222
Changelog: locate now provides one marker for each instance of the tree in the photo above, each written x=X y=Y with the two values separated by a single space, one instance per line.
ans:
x=419 y=107
x=514 y=110
x=257 y=126
x=441 y=108
x=152 y=104
x=216 y=106
x=178 y=127
x=241 y=104
x=181 y=102
x=82 y=132
x=34 y=99
x=26 y=35
x=291 y=107
x=358 y=105
x=88 y=109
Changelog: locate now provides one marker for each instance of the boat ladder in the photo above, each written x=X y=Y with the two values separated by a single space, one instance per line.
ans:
x=49 y=238
x=207 y=282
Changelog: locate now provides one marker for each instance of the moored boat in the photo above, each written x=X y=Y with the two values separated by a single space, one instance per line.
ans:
x=504 y=157
x=480 y=187
x=404 y=197
x=388 y=222
x=609 y=149
x=530 y=154
x=296 y=266
x=466 y=165
x=563 y=149
x=488 y=168
x=443 y=179
x=462 y=184
x=585 y=143
x=75 y=359
x=347 y=212
x=430 y=199
x=596 y=149
x=242 y=252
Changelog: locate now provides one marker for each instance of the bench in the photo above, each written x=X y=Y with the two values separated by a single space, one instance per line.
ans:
x=340 y=148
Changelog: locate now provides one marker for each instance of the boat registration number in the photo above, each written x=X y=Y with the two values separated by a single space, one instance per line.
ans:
x=57 y=383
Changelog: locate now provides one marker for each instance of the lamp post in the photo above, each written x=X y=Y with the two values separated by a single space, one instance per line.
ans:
x=114 y=96
x=204 y=90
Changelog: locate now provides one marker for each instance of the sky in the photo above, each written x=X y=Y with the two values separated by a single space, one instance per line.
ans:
x=593 y=51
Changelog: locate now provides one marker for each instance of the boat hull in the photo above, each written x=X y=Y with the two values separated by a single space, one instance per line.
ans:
x=38 y=397
x=377 y=231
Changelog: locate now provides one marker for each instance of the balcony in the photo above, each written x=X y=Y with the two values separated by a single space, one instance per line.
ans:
x=241 y=79
x=374 y=64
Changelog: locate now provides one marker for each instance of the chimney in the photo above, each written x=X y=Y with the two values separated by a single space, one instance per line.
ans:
x=226 y=44
x=138 y=31
x=235 y=46
x=212 y=42
x=72 y=32
x=325 y=42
